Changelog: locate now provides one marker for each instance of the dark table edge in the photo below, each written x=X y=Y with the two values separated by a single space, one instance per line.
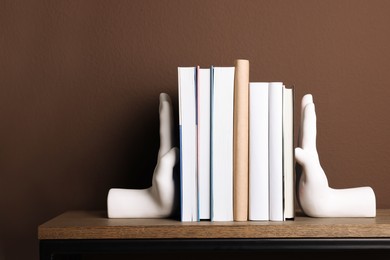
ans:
x=50 y=248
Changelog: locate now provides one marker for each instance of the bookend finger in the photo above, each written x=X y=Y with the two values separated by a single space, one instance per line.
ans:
x=309 y=128
x=166 y=124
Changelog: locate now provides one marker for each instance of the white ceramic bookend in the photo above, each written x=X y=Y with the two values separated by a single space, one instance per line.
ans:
x=157 y=201
x=314 y=195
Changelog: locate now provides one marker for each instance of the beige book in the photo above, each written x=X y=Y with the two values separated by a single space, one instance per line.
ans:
x=241 y=141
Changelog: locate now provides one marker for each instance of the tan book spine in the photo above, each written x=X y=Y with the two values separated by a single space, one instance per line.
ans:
x=241 y=141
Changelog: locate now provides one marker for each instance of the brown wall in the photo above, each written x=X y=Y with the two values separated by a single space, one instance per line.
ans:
x=79 y=86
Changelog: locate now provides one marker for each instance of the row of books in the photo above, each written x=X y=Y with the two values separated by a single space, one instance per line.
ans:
x=236 y=145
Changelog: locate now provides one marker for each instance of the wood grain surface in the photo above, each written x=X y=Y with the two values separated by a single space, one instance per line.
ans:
x=96 y=225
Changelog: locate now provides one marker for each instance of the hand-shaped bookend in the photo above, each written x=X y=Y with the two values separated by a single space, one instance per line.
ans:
x=157 y=201
x=314 y=195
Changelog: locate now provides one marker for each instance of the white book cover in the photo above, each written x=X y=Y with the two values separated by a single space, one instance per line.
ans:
x=204 y=101
x=222 y=82
x=288 y=152
x=258 y=151
x=276 y=151
x=188 y=143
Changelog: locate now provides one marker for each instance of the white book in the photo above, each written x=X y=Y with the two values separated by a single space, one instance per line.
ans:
x=222 y=82
x=204 y=101
x=288 y=152
x=258 y=151
x=276 y=151
x=188 y=143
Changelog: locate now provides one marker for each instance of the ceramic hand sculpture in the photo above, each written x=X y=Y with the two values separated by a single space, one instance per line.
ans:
x=315 y=197
x=157 y=201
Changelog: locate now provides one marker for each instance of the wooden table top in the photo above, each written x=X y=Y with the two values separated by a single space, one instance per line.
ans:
x=96 y=225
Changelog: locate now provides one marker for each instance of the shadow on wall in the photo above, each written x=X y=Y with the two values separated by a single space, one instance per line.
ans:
x=137 y=153
x=2 y=257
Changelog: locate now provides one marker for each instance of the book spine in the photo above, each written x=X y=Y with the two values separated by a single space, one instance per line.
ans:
x=204 y=143
x=276 y=151
x=288 y=152
x=241 y=141
x=212 y=191
x=188 y=143
x=258 y=152
x=222 y=144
